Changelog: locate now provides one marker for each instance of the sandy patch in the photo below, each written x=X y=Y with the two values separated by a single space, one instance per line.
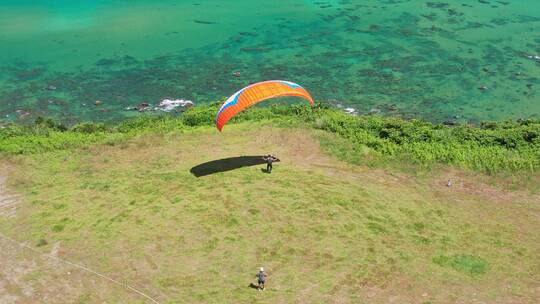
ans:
x=8 y=200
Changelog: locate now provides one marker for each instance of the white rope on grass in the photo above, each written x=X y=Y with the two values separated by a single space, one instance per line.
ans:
x=80 y=267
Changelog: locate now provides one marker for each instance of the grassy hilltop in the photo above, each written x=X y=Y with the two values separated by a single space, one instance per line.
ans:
x=357 y=211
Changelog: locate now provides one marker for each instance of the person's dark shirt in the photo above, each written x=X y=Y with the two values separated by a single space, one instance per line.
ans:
x=261 y=276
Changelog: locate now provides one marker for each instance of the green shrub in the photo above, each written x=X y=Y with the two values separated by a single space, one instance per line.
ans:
x=47 y=123
x=89 y=127
x=12 y=131
x=199 y=116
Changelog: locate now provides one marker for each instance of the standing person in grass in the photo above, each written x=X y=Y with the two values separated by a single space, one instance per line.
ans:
x=269 y=160
x=261 y=279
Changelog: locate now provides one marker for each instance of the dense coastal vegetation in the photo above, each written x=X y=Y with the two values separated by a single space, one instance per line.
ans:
x=490 y=147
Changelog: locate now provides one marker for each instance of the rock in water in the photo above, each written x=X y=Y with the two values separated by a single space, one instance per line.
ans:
x=450 y=122
x=167 y=105
x=143 y=106
x=374 y=111
x=483 y=88
x=351 y=111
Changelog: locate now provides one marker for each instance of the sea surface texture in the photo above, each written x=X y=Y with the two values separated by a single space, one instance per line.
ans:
x=465 y=60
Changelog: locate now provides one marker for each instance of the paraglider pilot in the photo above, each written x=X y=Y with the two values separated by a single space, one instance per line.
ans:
x=269 y=160
x=261 y=279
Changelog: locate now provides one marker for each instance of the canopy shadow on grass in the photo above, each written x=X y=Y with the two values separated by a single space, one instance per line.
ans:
x=226 y=164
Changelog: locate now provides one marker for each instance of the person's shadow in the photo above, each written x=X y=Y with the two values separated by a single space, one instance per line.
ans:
x=251 y=285
x=227 y=164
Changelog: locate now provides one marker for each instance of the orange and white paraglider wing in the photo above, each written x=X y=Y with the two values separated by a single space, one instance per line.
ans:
x=256 y=93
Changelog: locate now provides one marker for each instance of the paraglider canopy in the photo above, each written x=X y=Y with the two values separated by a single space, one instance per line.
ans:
x=256 y=93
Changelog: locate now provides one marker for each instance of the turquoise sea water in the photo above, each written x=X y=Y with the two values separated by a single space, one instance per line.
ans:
x=453 y=60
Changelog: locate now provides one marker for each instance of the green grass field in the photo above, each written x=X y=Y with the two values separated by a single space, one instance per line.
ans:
x=327 y=231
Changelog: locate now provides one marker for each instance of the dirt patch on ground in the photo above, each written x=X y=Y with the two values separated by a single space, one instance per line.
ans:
x=458 y=182
x=30 y=277
x=9 y=201
x=13 y=287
